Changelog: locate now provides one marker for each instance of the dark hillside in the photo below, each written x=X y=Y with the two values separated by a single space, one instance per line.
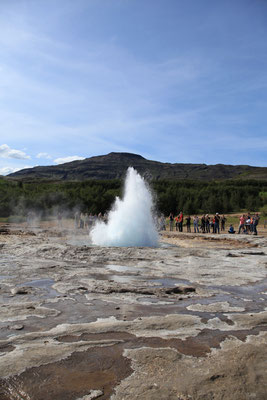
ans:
x=114 y=166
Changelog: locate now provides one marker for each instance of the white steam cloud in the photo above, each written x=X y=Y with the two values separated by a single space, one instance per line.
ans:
x=130 y=222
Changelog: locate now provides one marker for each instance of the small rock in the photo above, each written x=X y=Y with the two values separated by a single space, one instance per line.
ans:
x=20 y=290
x=82 y=288
x=117 y=308
x=17 y=327
x=94 y=394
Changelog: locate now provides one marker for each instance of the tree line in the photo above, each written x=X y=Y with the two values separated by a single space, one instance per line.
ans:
x=95 y=196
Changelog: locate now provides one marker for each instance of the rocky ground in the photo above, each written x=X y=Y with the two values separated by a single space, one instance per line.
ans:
x=186 y=320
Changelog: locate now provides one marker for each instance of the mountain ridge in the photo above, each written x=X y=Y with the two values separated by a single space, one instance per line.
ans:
x=114 y=165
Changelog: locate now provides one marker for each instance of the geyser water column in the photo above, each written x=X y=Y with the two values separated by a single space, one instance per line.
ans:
x=130 y=222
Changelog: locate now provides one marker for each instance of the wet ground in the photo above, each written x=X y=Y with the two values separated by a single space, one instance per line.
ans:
x=185 y=320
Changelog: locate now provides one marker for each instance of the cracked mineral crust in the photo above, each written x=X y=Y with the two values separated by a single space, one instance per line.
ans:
x=185 y=320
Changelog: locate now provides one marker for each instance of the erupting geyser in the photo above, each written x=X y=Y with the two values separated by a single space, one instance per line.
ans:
x=130 y=222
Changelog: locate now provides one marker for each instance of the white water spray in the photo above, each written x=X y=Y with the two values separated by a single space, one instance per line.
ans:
x=130 y=222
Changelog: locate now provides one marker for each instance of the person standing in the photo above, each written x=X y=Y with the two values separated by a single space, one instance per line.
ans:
x=223 y=220
x=195 y=223
x=177 y=223
x=216 y=223
x=77 y=219
x=241 y=223
x=247 y=224
x=255 y=224
x=162 y=223
x=188 y=223
x=203 y=224
x=171 y=221
x=181 y=218
x=207 y=221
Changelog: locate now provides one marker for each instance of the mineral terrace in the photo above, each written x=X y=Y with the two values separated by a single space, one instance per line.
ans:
x=186 y=320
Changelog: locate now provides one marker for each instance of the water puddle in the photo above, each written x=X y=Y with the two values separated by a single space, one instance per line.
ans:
x=5 y=277
x=251 y=297
x=251 y=292
x=122 y=268
x=45 y=284
x=122 y=279
x=168 y=282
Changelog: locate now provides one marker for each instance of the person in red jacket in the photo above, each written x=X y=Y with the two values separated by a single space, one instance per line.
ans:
x=242 y=220
x=180 y=220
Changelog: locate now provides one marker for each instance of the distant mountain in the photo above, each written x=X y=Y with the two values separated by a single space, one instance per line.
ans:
x=114 y=165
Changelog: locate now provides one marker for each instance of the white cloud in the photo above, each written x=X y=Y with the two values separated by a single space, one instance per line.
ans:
x=7 y=152
x=10 y=170
x=68 y=159
x=43 y=155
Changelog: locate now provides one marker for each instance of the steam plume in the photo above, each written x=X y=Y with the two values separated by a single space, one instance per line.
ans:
x=130 y=222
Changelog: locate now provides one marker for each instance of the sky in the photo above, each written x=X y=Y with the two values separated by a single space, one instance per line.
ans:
x=180 y=81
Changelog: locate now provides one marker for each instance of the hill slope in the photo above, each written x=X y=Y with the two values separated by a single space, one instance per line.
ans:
x=114 y=165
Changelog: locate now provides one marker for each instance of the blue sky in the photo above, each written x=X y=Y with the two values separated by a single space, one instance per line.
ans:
x=172 y=80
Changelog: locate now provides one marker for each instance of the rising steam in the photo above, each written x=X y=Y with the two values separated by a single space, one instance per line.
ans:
x=130 y=222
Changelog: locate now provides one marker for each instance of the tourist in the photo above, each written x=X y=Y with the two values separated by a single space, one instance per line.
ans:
x=162 y=223
x=171 y=221
x=207 y=223
x=252 y=224
x=212 y=224
x=216 y=223
x=177 y=223
x=203 y=224
x=188 y=223
x=248 y=222
x=255 y=224
x=223 y=220
x=82 y=218
x=86 y=221
x=91 y=221
x=77 y=219
x=231 y=229
x=180 y=220
x=247 y=225
x=195 y=223
x=241 y=223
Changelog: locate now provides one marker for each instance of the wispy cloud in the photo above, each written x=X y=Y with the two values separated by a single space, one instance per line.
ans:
x=68 y=159
x=44 y=155
x=7 y=152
